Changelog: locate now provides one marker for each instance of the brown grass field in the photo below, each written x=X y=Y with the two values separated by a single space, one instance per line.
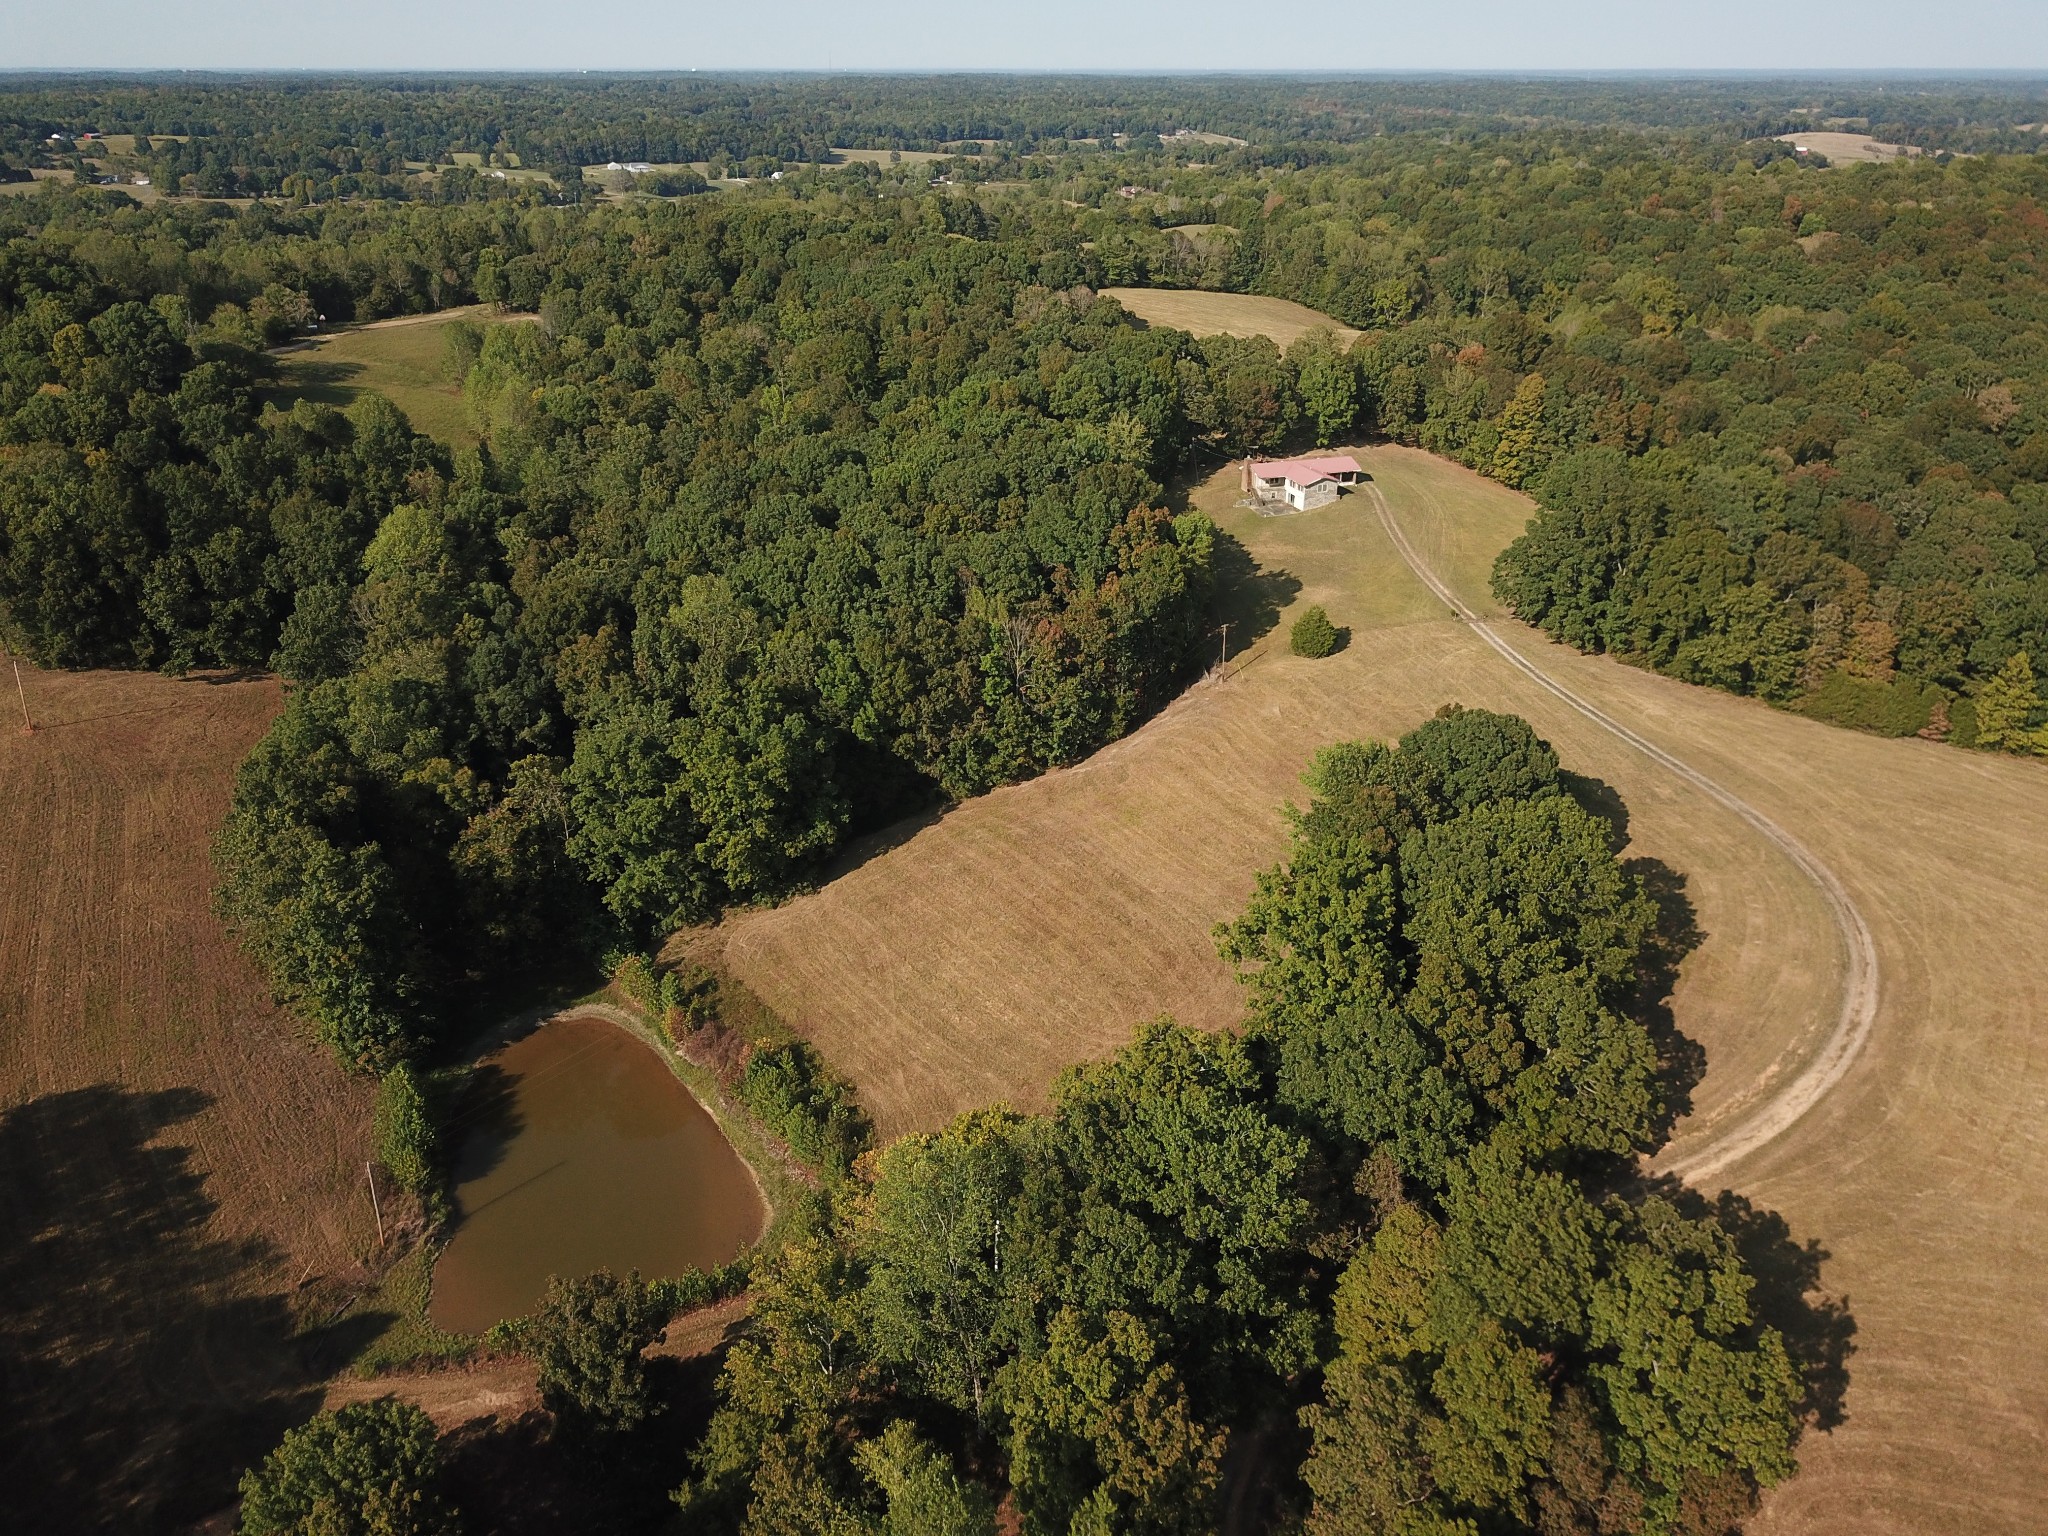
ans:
x=1850 y=148
x=882 y=157
x=176 y=1161
x=400 y=359
x=968 y=958
x=1226 y=314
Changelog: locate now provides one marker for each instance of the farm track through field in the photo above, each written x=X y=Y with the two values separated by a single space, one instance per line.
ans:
x=1858 y=1008
x=968 y=957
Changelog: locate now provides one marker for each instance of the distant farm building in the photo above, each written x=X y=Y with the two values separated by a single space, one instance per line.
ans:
x=1301 y=483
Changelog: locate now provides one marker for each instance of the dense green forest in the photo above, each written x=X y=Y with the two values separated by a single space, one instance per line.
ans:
x=805 y=502
x=808 y=501
x=787 y=519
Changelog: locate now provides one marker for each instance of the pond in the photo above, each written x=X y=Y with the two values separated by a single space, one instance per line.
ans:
x=580 y=1150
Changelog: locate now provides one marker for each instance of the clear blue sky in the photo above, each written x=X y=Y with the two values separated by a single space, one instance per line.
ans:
x=1048 y=34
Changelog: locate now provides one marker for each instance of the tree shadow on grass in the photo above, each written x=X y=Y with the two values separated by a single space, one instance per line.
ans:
x=324 y=381
x=1596 y=797
x=145 y=1362
x=1681 y=1060
x=1789 y=1296
x=873 y=845
x=1248 y=597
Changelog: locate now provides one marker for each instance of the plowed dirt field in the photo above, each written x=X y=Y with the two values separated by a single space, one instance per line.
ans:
x=175 y=1159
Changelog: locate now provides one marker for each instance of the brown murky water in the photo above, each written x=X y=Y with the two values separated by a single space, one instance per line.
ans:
x=581 y=1151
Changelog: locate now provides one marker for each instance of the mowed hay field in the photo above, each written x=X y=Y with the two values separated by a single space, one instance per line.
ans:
x=970 y=958
x=176 y=1161
x=401 y=359
x=1226 y=314
x=1850 y=148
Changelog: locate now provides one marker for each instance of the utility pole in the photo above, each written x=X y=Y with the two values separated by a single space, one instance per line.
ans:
x=28 y=726
x=371 y=1174
x=1224 y=660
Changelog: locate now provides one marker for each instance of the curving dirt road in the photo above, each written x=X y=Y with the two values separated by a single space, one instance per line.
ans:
x=1857 y=1013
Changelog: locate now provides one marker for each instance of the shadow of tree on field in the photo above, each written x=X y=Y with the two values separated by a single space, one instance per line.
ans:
x=1681 y=1060
x=1596 y=797
x=872 y=845
x=143 y=1362
x=1818 y=1328
x=1249 y=598
x=323 y=380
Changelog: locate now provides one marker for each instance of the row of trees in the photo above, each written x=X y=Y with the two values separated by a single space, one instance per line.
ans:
x=249 y=136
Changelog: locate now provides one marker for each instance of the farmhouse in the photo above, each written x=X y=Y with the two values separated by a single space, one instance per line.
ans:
x=1301 y=483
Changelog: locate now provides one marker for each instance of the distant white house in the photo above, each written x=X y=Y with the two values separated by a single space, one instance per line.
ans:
x=634 y=167
x=1302 y=483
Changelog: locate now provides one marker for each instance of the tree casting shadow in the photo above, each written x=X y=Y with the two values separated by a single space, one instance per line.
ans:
x=1789 y=1296
x=1681 y=1060
x=145 y=1362
x=1818 y=1328
x=529 y=1478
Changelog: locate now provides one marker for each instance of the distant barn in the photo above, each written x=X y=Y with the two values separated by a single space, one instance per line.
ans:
x=1301 y=483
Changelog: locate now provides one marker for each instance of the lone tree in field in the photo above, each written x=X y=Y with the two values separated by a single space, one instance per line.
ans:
x=370 y=1469
x=587 y=1338
x=1313 y=634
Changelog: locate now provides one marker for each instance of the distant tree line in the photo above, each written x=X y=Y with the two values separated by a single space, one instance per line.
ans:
x=340 y=135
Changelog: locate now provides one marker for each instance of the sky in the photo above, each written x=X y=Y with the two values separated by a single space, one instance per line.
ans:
x=1680 y=35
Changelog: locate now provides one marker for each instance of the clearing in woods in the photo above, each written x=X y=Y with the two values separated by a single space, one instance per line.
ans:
x=1226 y=314
x=968 y=958
x=401 y=359
x=180 y=1169
x=1850 y=148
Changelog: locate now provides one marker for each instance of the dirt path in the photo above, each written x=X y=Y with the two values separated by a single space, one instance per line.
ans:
x=967 y=959
x=1857 y=1012
x=504 y=1388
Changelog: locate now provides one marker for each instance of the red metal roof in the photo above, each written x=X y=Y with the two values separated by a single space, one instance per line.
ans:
x=1302 y=471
